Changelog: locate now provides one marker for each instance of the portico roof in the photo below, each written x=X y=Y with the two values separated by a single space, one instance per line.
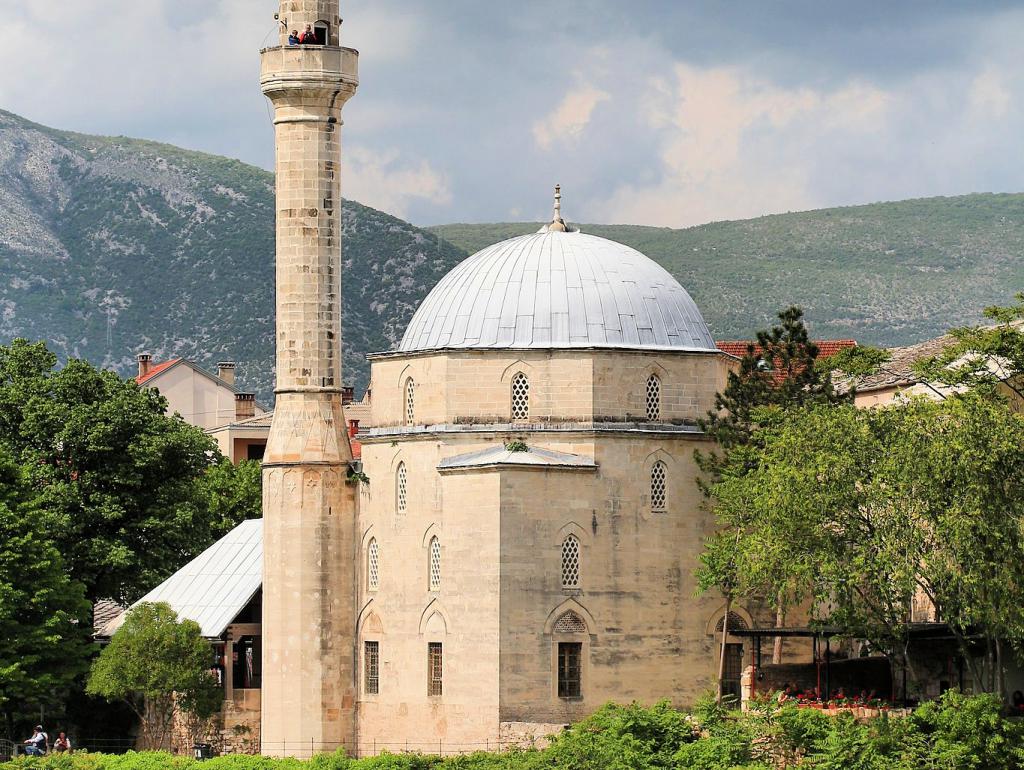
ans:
x=214 y=587
x=501 y=455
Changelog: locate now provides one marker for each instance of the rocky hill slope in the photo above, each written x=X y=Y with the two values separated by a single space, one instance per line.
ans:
x=884 y=274
x=113 y=246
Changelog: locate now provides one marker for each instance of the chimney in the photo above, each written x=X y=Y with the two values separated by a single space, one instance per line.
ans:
x=353 y=428
x=145 y=363
x=226 y=371
x=348 y=395
x=245 y=406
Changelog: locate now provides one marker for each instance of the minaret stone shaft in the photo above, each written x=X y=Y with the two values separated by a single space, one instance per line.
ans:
x=309 y=509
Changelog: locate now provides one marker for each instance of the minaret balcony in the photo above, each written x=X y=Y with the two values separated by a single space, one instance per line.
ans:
x=286 y=68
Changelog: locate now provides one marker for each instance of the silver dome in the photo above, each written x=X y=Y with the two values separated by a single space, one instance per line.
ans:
x=558 y=290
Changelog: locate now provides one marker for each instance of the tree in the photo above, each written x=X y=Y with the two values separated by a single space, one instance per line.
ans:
x=232 y=493
x=108 y=470
x=779 y=371
x=851 y=512
x=158 y=665
x=44 y=616
x=988 y=358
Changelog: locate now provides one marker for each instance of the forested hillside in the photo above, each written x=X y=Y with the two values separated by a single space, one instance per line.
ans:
x=886 y=273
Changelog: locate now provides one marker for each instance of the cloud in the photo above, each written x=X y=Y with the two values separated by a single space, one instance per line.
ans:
x=733 y=145
x=568 y=121
x=385 y=182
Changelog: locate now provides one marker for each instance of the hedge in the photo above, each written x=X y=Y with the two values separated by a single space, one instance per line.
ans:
x=957 y=732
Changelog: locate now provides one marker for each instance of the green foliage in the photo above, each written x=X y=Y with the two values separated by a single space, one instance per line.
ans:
x=111 y=475
x=44 y=616
x=969 y=733
x=232 y=493
x=856 y=510
x=956 y=733
x=516 y=446
x=154 y=662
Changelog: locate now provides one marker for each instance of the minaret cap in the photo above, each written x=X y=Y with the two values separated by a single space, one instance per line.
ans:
x=557 y=224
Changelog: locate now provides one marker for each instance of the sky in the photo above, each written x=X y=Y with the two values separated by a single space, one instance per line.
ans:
x=652 y=112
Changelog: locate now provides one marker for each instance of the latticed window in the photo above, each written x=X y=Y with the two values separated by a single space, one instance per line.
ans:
x=520 y=398
x=736 y=622
x=435 y=668
x=659 y=486
x=373 y=565
x=410 y=401
x=401 y=488
x=653 y=398
x=571 y=562
x=435 y=564
x=570 y=669
x=371 y=668
x=570 y=623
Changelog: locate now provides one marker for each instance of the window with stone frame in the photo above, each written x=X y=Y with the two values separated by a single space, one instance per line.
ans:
x=371 y=668
x=435 y=669
x=373 y=565
x=434 y=567
x=653 y=401
x=410 y=401
x=659 y=486
x=570 y=669
x=571 y=562
x=401 y=488
x=520 y=398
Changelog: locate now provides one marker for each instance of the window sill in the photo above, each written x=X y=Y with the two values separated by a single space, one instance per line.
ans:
x=571 y=698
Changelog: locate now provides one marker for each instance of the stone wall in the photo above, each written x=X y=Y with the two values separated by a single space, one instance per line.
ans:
x=474 y=386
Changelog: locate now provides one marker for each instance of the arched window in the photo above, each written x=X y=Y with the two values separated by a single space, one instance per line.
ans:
x=401 y=488
x=520 y=398
x=373 y=565
x=410 y=401
x=659 y=486
x=571 y=562
x=653 y=402
x=434 y=566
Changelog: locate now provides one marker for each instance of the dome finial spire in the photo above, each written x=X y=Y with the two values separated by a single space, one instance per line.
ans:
x=557 y=223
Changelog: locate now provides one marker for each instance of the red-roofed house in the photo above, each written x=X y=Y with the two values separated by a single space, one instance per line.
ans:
x=202 y=398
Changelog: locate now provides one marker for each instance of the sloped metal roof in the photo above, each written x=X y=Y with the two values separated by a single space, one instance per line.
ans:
x=558 y=290
x=216 y=585
x=533 y=456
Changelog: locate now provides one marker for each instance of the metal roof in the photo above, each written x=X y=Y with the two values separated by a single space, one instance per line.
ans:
x=216 y=585
x=531 y=457
x=558 y=290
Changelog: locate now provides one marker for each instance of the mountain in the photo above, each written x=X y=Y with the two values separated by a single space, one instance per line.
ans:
x=884 y=274
x=113 y=246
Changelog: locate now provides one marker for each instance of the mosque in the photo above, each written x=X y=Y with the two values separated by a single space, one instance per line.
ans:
x=517 y=545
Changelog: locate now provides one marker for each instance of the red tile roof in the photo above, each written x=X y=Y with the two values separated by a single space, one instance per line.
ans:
x=826 y=348
x=159 y=368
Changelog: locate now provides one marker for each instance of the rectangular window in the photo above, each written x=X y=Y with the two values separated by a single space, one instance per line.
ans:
x=570 y=669
x=371 y=667
x=434 y=668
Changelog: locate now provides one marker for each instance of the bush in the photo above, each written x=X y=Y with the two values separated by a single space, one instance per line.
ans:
x=957 y=732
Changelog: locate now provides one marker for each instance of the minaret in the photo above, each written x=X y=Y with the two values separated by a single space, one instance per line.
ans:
x=309 y=509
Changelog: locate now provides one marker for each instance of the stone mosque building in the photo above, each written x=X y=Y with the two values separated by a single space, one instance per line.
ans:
x=518 y=544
